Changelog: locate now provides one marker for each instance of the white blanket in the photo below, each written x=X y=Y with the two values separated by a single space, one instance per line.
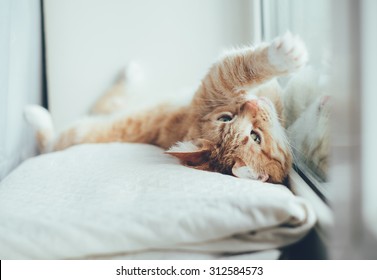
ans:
x=106 y=199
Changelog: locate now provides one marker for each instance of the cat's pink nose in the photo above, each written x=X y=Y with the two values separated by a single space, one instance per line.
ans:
x=252 y=105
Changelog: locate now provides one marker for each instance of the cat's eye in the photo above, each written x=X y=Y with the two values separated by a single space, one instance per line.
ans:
x=255 y=136
x=225 y=118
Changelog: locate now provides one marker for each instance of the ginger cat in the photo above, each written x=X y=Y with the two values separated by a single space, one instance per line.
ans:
x=224 y=128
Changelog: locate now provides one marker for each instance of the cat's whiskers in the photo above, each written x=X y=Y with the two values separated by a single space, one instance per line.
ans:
x=294 y=152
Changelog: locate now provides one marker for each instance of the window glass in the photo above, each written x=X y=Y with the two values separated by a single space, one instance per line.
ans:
x=306 y=95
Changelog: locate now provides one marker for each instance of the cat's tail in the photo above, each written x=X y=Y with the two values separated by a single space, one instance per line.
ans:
x=40 y=119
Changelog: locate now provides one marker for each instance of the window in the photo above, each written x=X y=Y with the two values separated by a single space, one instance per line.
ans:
x=306 y=94
x=347 y=28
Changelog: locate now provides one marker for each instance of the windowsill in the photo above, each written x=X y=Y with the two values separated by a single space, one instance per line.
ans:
x=322 y=210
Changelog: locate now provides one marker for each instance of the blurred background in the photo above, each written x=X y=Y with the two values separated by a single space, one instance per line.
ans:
x=65 y=54
x=174 y=42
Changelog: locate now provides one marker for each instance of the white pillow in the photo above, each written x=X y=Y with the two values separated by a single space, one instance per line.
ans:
x=103 y=199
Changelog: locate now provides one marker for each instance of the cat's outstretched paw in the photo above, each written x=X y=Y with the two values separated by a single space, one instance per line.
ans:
x=287 y=53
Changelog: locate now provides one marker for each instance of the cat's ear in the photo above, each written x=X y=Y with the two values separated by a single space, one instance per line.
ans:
x=241 y=170
x=192 y=153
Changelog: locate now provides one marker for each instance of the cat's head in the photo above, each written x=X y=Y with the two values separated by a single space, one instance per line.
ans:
x=244 y=139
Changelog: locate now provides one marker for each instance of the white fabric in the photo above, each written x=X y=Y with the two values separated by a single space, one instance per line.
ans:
x=106 y=199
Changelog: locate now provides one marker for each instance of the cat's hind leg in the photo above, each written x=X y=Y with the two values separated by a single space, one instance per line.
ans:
x=116 y=98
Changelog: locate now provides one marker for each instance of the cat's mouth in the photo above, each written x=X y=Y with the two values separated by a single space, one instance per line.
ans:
x=265 y=100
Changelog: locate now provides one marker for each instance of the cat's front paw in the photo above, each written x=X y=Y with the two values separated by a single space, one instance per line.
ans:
x=287 y=53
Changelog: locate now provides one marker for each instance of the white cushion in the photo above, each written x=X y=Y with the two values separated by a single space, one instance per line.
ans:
x=104 y=199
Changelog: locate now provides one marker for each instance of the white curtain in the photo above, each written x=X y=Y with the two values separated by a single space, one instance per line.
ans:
x=20 y=78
